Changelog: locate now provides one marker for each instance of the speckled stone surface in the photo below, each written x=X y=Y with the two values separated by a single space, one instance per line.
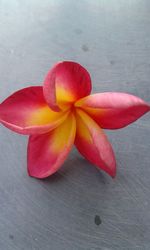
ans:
x=80 y=207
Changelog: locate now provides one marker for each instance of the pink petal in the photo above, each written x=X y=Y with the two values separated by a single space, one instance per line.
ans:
x=47 y=152
x=27 y=112
x=66 y=82
x=93 y=144
x=113 y=110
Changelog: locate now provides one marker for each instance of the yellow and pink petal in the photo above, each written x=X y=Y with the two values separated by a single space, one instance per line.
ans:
x=93 y=144
x=66 y=82
x=27 y=112
x=47 y=152
x=113 y=110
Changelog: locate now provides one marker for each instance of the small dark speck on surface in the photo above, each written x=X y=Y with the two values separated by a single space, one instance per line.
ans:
x=85 y=48
x=112 y=62
x=78 y=31
x=97 y=220
x=11 y=236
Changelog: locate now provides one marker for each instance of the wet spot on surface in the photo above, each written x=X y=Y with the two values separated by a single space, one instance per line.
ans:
x=11 y=236
x=78 y=31
x=85 y=48
x=112 y=62
x=97 y=220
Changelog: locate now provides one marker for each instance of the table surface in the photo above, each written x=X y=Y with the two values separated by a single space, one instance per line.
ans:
x=80 y=207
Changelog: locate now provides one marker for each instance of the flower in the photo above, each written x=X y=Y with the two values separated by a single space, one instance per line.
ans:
x=62 y=113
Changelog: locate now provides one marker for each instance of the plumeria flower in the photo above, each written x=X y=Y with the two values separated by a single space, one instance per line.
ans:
x=63 y=113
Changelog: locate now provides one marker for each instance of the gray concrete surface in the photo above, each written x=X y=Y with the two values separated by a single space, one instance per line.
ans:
x=79 y=208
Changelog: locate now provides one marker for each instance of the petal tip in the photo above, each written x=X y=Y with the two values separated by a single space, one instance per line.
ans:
x=111 y=172
x=113 y=175
x=36 y=175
